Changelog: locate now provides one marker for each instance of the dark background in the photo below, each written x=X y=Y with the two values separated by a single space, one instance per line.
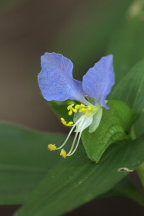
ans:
x=28 y=28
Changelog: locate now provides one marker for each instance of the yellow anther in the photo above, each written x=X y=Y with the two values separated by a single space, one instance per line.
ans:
x=63 y=121
x=82 y=110
x=70 y=112
x=52 y=147
x=71 y=109
x=63 y=153
x=82 y=105
x=70 y=123
x=86 y=109
x=77 y=107
x=89 y=108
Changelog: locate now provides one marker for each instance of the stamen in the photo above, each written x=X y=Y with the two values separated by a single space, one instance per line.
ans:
x=52 y=147
x=71 y=109
x=63 y=153
x=86 y=109
x=63 y=121
x=70 y=112
x=70 y=132
x=73 y=143
x=77 y=107
x=71 y=153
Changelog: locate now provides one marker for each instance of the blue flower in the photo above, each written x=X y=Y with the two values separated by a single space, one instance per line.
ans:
x=57 y=83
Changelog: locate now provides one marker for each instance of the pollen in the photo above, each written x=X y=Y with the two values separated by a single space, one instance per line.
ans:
x=52 y=147
x=63 y=153
x=63 y=121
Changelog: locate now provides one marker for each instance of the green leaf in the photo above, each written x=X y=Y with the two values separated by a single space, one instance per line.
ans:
x=24 y=161
x=126 y=44
x=77 y=180
x=114 y=124
x=131 y=90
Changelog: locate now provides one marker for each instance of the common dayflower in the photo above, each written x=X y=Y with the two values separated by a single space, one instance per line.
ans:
x=57 y=83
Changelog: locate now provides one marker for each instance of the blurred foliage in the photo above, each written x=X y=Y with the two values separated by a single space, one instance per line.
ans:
x=24 y=161
x=61 y=185
x=9 y=4
x=86 y=37
x=127 y=44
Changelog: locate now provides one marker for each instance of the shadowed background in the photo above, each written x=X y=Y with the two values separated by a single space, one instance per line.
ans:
x=28 y=28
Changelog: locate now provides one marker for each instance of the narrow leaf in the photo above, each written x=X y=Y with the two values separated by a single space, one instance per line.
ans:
x=77 y=180
x=24 y=161
x=126 y=44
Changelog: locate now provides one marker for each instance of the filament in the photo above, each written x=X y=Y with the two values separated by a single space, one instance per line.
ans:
x=69 y=134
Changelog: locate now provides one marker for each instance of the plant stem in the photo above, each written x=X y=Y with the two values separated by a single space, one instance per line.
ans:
x=140 y=169
x=140 y=172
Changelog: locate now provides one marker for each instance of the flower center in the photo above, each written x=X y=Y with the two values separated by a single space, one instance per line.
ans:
x=83 y=118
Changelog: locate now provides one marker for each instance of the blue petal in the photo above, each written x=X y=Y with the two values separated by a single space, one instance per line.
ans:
x=55 y=79
x=99 y=79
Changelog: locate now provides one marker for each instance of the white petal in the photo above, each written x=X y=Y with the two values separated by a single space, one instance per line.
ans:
x=96 y=121
x=84 y=123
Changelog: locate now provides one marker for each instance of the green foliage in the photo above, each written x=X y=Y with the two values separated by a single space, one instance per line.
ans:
x=131 y=90
x=89 y=31
x=113 y=127
x=30 y=174
x=77 y=180
x=8 y=4
x=127 y=48
x=24 y=161
x=126 y=44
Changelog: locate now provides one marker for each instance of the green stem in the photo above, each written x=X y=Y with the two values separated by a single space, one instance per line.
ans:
x=140 y=172
x=132 y=133
x=140 y=169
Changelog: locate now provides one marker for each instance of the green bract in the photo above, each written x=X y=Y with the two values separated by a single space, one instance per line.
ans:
x=115 y=126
